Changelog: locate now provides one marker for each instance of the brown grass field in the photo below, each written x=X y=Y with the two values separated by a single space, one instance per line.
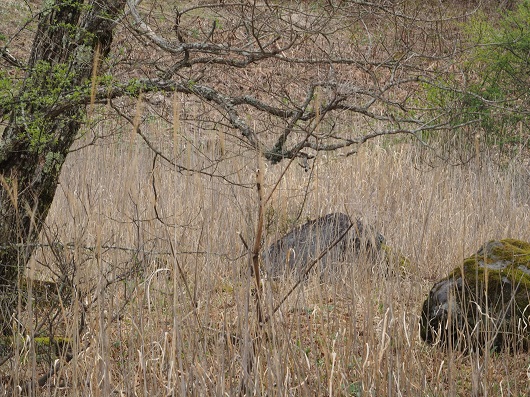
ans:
x=164 y=305
x=155 y=331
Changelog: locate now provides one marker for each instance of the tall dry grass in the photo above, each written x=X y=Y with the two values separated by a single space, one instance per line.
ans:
x=168 y=302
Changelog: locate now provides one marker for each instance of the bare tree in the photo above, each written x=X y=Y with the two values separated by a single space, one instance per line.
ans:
x=284 y=79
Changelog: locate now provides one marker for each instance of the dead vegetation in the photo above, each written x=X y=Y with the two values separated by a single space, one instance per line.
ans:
x=195 y=332
x=162 y=301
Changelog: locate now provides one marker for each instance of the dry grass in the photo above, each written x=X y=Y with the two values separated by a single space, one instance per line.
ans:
x=151 y=330
x=146 y=334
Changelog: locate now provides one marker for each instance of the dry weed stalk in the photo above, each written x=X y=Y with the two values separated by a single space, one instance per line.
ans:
x=256 y=248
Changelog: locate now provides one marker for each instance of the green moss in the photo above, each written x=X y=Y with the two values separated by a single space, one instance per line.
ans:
x=56 y=340
x=393 y=257
x=522 y=245
x=45 y=347
x=39 y=340
x=499 y=264
x=501 y=255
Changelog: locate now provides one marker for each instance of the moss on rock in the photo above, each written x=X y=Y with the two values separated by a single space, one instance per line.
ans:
x=485 y=302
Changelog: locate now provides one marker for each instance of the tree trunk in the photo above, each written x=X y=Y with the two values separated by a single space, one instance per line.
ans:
x=43 y=127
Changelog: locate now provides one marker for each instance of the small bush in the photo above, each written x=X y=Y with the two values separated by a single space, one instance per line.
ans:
x=493 y=88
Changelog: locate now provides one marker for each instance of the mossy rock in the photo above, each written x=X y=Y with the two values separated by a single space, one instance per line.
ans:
x=483 y=304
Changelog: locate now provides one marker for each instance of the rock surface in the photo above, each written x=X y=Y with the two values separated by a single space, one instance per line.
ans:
x=485 y=303
x=298 y=248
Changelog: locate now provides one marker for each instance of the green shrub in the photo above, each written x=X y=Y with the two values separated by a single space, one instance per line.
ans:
x=493 y=87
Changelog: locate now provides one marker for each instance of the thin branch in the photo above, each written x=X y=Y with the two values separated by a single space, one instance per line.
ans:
x=178 y=167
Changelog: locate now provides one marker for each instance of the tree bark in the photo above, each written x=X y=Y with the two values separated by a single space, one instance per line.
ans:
x=41 y=129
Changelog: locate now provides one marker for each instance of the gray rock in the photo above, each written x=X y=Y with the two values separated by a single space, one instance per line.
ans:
x=298 y=248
